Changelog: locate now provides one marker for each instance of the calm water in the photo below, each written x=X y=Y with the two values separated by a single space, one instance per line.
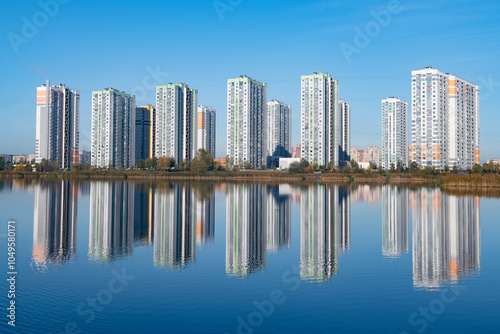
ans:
x=117 y=257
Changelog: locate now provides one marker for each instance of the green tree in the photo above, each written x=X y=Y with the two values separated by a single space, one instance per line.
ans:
x=2 y=163
x=151 y=163
x=489 y=167
x=246 y=165
x=48 y=165
x=413 y=167
x=163 y=163
x=203 y=161
x=329 y=167
x=303 y=166
x=476 y=169
x=294 y=167
x=446 y=168
x=455 y=169
x=429 y=170
x=354 y=167
x=347 y=169
x=393 y=168
x=300 y=167
x=76 y=167
x=140 y=164
x=400 y=168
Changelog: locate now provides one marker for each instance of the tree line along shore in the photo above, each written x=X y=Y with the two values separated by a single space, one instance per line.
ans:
x=446 y=180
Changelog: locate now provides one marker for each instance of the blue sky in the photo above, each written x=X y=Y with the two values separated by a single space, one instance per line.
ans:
x=90 y=45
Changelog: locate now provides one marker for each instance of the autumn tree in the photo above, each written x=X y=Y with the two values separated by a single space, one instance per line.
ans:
x=165 y=163
x=202 y=162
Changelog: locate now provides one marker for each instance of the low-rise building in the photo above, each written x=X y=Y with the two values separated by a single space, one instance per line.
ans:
x=372 y=154
x=19 y=158
x=284 y=163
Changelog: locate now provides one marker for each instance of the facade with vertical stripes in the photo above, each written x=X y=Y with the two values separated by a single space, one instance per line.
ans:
x=445 y=120
x=57 y=124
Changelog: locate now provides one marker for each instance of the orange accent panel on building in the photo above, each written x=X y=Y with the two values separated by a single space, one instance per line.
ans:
x=221 y=161
x=452 y=91
x=201 y=120
x=452 y=83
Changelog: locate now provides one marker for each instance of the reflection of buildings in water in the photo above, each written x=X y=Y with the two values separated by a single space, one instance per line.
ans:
x=54 y=228
x=325 y=230
x=220 y=187
x=446 y=237
x=395 y=222
x=364 y=192
x=343 y=218
x=291 y=191
x=111 y=220
x=143 y=215
x=183 y=218
x=245 y=229
x=174 y=229
x=276 y=212
x=204 y=217
x=84 y=188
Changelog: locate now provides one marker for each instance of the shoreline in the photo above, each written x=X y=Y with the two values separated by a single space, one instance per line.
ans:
x=457 y=181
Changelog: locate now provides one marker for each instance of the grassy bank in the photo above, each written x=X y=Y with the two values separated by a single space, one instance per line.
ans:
x=457 y=181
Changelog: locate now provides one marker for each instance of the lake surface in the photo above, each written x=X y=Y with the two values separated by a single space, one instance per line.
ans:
x=120 y=257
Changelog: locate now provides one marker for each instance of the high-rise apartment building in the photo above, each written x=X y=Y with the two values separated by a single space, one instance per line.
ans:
x=143 y=131
x=344 y=133
x=394 y=132
x=206 y=129
x=246 y=121
x=319 y=104
x=175 y=121
x=57 y=124
x=445 y=120
x=113 y=129
x=278 y=129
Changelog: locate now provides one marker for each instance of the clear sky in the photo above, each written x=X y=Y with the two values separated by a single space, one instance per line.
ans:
x=90 y=45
